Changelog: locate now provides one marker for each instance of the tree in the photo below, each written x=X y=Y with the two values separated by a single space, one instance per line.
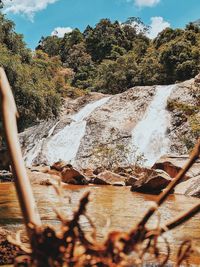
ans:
x=113 y=56
x=70 y=39
x=50 y=45
x=32 y=78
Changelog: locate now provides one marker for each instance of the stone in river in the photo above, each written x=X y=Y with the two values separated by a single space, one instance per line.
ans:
x=152 y=183
x=72 y=176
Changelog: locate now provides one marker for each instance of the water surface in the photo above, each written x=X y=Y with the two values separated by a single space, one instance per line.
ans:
x=117 y=206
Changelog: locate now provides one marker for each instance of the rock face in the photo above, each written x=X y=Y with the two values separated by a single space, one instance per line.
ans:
x=184 y=105
x=109 y=129
x=107 y=133
x=97 y=130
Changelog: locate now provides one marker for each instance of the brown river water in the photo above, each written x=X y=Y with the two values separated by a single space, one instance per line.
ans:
x=111 y=208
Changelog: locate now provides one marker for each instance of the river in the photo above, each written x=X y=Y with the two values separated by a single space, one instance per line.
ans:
x=117 y=205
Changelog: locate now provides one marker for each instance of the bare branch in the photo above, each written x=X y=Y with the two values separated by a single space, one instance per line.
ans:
x=22 y=183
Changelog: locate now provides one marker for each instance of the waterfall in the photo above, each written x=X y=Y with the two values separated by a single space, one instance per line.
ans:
x=149 y=138
x=65 y=144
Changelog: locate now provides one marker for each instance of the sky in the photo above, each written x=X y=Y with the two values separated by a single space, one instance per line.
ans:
x=37 y=18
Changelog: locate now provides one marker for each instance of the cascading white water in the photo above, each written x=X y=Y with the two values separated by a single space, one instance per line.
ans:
x=149 y=137
x=65 y=144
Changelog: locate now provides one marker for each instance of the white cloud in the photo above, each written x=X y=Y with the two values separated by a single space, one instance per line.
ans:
x=60 y=31
x=26 y=7
x=149 y=3
x=157 y=25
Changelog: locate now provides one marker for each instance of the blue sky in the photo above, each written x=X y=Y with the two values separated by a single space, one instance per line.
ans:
x=36 y=18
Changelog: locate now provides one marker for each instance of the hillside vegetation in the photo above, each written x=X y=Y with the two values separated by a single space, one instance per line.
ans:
x=112 y=57
x=38 y=80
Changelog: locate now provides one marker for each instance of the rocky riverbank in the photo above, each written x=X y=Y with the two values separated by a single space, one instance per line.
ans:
x=141 y=179
x=145 y=180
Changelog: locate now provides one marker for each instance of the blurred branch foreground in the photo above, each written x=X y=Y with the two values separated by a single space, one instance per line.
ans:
x=71 y=246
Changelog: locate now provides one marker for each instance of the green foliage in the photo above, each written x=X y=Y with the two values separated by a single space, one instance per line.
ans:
x=117 y=75
x=32 y=78
x=85 y=52
x=112 y=57
x=187 y=109
x=195 y=125
x=112 y=156
x=50 y=45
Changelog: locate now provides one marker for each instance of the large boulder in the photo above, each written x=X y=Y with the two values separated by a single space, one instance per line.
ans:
x=190 y=187
x=109 y=178
x=173 y=164
x=70 y=175
x=152 y=183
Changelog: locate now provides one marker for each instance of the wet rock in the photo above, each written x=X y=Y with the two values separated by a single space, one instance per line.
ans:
x=130 y=181
x=44 y=169
x=124 y=171
x=88 y=172
x=110 y=178
x=70 y=175
x=173 y=164
x=40 y=178
x=119 y=184
x=99 y=170
x=60 y=165
x=152 y=184
x=189 y=188
x=6 y=176
x=98 y=181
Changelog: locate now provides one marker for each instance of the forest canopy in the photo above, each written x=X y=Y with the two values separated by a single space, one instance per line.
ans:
x=112 y=57
x=37 y=80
